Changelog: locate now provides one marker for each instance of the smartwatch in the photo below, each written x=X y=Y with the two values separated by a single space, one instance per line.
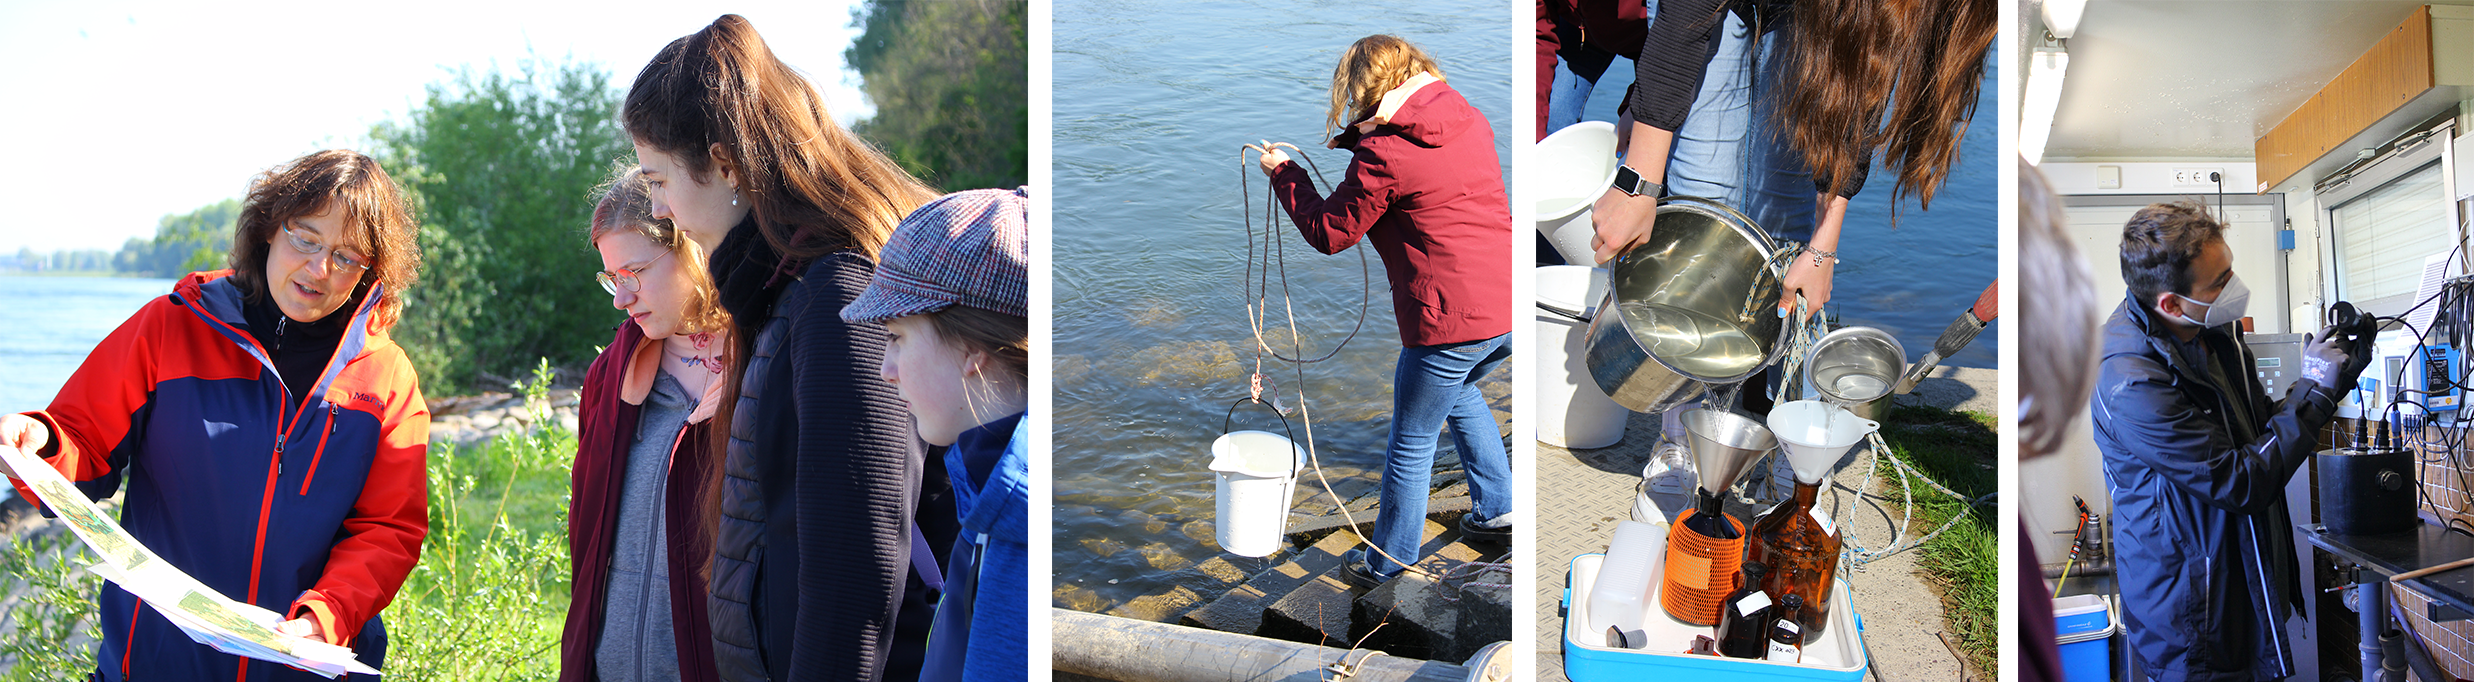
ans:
x=1631 y=182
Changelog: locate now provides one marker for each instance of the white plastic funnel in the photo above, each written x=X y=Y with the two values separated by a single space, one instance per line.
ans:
x=1257 y=478
x=1815 y=434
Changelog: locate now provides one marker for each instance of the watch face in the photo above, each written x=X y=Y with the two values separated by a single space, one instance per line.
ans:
x=1628 y=180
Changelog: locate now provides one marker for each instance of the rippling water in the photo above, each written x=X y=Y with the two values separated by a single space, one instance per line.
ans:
x=1152 y=101
x=53 y=323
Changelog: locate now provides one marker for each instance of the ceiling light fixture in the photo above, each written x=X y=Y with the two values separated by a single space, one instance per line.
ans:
x=2045 y=68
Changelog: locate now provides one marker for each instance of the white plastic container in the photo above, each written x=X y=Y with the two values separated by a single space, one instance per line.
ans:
x=1574 y=167
x=1619 y=597
x=1572 y=411
x=1257 y=478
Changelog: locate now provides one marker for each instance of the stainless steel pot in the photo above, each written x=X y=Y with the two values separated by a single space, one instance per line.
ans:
x=1694 y=306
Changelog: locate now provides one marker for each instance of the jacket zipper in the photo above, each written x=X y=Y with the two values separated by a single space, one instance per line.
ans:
x=130 y=646
x=321 y=451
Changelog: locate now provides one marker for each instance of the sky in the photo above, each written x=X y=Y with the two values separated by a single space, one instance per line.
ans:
x=121 y=113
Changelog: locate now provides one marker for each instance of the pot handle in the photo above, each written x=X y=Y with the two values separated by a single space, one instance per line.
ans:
x=1232 y=414
x=1566 y=314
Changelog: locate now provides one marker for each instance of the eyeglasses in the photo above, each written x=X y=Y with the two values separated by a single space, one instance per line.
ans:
x=334 y=256
x=611 y=281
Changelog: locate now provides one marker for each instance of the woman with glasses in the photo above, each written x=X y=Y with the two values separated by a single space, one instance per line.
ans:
x=643 y=456
x=272 y=438
x=831 y=517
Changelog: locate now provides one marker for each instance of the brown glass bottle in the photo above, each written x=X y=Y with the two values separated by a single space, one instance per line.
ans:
x=1786 y=640
x=1744 y=626
x=1801 y=552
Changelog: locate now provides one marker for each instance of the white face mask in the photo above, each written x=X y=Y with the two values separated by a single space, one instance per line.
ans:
x=2227 y=309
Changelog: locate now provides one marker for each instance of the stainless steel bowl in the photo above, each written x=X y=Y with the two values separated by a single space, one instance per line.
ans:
x=1856 y=368
x=1694 y=306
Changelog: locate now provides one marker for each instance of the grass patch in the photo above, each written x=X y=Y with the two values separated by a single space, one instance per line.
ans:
x=1958 y=450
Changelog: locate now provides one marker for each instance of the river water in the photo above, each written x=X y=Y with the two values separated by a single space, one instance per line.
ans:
x=1153 y=100
x=52 y=323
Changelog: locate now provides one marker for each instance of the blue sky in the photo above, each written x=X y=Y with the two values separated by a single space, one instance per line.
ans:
x=121 y=113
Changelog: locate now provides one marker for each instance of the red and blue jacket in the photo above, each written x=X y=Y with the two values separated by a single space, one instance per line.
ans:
x=315 y=508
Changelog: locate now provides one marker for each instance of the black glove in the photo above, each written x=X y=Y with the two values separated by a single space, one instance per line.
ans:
x=2333 y=361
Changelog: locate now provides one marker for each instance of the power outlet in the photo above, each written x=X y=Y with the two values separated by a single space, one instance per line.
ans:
x=2195 y=177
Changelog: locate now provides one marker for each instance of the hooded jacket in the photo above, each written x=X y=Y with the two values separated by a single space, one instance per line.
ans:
x=316 y=511
x=613 y=401
x=982 y=625
x=2198 y=471
x=1427 y=188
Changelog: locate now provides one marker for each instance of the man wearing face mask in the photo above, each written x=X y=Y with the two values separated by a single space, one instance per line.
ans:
x=2197 y=454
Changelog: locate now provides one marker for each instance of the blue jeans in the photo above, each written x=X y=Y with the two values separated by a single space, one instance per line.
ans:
x=1434 y=387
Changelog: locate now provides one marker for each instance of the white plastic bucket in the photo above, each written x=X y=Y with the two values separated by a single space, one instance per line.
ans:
x=1257 y=478
x=1572 y=411
x=1573 y=167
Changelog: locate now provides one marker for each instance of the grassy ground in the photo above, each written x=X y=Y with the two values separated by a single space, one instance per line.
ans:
x=485 y=603
x=1956 y=449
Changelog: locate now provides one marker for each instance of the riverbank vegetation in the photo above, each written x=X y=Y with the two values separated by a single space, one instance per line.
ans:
x=1955 y=449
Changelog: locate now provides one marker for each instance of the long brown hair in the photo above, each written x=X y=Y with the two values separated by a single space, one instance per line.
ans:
x=313 y=184
x=1370 y=67
x=815 y=187
x=1901 y=75
x=624 y=204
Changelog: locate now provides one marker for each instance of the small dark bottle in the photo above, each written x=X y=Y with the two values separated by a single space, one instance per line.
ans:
x=1787 y=631
x=1744 y=625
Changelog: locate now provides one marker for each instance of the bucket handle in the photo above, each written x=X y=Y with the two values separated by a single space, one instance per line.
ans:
x=1566 y=314
x=1232 y=414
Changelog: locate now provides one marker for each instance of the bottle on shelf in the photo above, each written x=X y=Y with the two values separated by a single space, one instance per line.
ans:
x=1743 y=628
x=1799 y=544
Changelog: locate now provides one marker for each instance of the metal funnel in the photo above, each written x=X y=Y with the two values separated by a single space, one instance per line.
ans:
x=1815 y=434
x=1723 y=445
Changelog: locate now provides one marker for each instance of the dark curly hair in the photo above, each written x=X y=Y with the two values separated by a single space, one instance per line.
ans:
x=2158 y=245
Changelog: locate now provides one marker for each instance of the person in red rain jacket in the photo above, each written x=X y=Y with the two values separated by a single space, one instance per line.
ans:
x=1427 y=188
x=272 y=438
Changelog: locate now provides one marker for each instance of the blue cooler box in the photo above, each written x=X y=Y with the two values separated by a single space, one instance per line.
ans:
x=1840 y=658
x=2083 y=626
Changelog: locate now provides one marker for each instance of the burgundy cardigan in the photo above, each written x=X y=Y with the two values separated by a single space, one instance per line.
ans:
x=1427 y=188
x=606 y=425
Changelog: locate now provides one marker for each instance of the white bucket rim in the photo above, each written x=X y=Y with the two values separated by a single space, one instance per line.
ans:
x=1586 y=201
x=1229 y=440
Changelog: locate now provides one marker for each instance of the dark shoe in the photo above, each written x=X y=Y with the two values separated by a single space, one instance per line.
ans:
x=1357 y=572
x=1471 y=531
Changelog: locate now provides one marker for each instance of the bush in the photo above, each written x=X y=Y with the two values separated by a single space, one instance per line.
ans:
x=951 y=82
x=490 y=594
x=47 y=608
x=500 y=168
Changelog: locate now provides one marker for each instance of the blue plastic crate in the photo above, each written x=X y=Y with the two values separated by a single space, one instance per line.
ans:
x=1583 y=662
x=2083 y=628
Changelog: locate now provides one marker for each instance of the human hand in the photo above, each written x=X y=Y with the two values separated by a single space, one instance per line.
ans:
x=305 y=628
x=24 y=434
x=1808 y=274
x=1622 y=221
x=2328 y=360
x=1271 y=157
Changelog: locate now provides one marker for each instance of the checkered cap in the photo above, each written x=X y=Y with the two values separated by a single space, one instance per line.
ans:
x=966 y=248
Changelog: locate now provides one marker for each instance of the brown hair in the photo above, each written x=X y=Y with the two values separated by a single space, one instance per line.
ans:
x=2057 y=359
x=322 y=181
x=1370 y=67
x=1005 y=338
x=624 y=204
x=814 y=186
x=2158 y=245
x=1902 y=76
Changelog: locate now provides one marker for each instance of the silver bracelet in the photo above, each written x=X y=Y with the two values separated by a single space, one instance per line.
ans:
x=1820 y=254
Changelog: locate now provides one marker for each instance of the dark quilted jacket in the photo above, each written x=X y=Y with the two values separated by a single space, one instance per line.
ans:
x=823 y=475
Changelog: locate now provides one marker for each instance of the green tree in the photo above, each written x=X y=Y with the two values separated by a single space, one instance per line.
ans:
x=183 y=243
x=500 y=167
x=951 y=82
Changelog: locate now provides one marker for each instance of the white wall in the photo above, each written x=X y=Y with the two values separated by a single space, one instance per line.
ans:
x=2149 y=177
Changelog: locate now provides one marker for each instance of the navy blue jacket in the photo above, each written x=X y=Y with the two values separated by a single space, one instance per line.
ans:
x=2206 y=559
